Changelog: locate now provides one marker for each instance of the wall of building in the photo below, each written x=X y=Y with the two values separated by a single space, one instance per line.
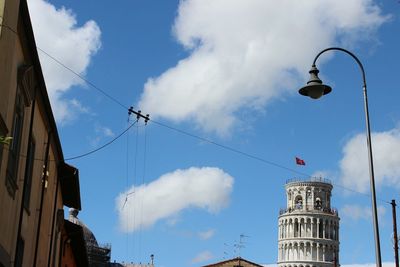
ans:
x=38 y=226
x=10 y=58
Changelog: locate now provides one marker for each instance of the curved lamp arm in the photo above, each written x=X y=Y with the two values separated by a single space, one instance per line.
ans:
x=347 y=52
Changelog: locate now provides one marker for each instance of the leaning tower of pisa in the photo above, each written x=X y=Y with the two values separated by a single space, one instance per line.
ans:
x=308 y=226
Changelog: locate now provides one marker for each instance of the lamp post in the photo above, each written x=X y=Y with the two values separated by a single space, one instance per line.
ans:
x=315 y=89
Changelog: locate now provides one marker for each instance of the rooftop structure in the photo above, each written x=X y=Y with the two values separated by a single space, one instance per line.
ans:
x=98 y=255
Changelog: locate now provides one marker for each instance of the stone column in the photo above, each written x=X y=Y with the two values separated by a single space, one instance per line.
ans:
x=301 y=227
x=286 y=229
x=312 y=198
x=298 y=252
x=328 y=229
x=312 y=227
x=279 y=230
x=337 y=232
x=287 y=252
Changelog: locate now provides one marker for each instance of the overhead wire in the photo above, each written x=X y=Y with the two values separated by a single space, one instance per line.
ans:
x=358 y=192
x=230 y=149
x=84 y=154
x=72 y=71
x=88 y=82
x=127 y=184
x=257 y=158
x=84 y=79
x=172 y=128
x=134 y=188
x=9 y=28
x=142 y=200
x=103 y=146
x=127 y=166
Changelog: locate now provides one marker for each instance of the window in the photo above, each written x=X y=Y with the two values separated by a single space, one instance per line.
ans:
x=15 y=146
x=30 y=161
x=3 y=132
x=318 y=203
x=2 y=3
x=20 y=252
x=298 y=202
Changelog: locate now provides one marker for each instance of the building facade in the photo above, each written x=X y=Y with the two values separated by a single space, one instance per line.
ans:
x=35 y=182
x=308 y=233
x=235 y=262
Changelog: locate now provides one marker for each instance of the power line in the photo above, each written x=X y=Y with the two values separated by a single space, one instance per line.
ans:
x=103 y=146
x=84 y=154
x=146 y=118
x=358 y=192
x=139 y=115
x=72 y=71
x=230 y=149
x=9 y=28
x=84 y=79
x=257 y=158
x=142 y=200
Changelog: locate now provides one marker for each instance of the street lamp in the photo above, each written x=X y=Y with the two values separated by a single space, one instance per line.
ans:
x=315 y=89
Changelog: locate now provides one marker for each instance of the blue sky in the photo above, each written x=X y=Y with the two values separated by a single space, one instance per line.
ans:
x=225 y=71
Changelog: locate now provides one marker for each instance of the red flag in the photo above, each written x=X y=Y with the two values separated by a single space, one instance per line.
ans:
x=300 y=161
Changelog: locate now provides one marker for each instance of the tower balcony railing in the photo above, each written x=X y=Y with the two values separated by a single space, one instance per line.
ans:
x=311 y=179
x=313 y=208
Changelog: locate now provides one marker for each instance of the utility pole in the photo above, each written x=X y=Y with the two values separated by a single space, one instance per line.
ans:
x=395 y=239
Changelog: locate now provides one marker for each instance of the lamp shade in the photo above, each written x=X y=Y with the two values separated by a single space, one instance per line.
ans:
x=315 y=88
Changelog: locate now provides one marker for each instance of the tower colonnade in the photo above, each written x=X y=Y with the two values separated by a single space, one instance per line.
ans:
x=307 y=251
x=308 y=226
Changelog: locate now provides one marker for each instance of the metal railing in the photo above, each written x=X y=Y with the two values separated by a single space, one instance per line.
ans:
x=311 y=179
x=314 y=208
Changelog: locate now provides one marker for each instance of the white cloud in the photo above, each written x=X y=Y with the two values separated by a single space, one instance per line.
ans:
x=206 y=234
x=105 y=131
x=101 y=132
x=357 y=212
x=78 y=106
x=57 y=33
x=386 y=155
x=243 y=54
x=206 y=188
x=202 y=257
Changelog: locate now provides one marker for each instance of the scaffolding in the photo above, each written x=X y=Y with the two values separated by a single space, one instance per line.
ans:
x=98 y=256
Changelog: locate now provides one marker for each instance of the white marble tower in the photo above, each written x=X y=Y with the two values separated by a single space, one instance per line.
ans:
x=308 y=226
